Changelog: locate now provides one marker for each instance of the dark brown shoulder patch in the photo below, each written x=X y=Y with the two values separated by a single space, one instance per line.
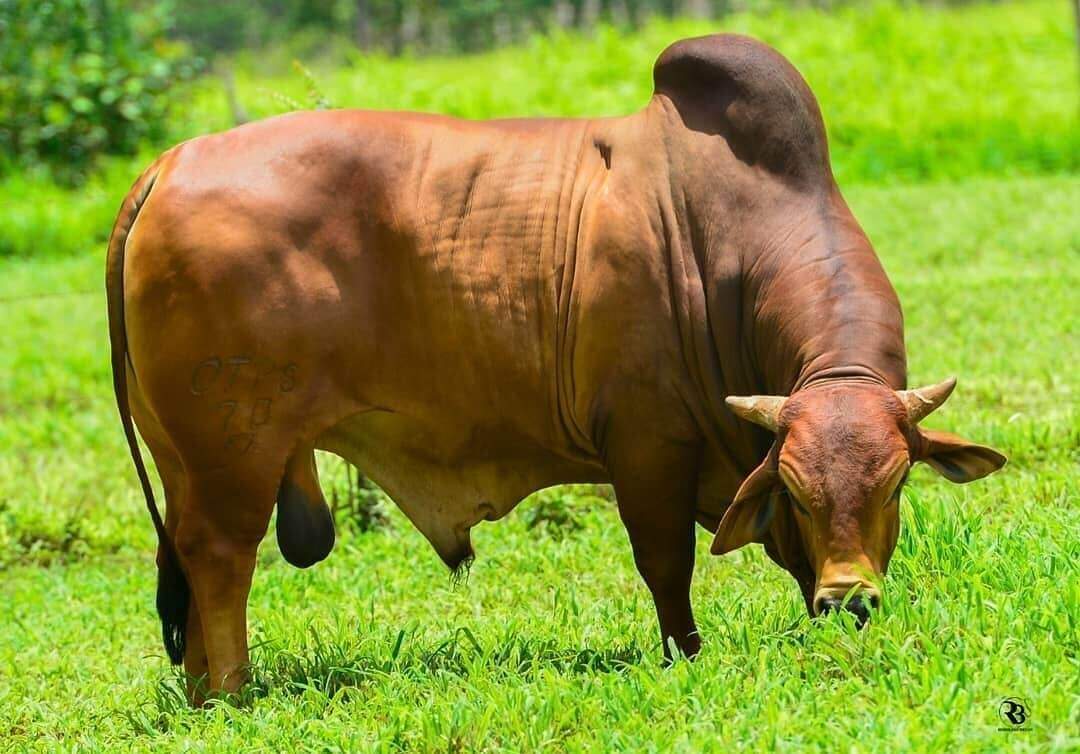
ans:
x=749 y=93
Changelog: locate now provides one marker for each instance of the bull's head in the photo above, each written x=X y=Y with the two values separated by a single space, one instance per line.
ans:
x=825 y=501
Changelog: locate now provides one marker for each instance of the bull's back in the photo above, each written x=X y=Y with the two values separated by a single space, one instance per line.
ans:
x=290 y=273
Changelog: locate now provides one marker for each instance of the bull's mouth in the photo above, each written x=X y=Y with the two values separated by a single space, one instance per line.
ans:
x=857 y=599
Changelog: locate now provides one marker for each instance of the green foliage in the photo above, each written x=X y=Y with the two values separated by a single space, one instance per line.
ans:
x=315 y=94
x=552 y=643
x=358 y=505
x=30 y=536
x=563 y=511
x=440 y=26
x=919 y=95
x=80 y=78
x=909 y=93
x=212 y=26
x=42 y=218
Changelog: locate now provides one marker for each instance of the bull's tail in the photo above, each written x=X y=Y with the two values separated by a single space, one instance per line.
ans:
x=173 y=593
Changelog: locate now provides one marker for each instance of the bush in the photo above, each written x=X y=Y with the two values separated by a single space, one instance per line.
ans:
x=563 y=511
x=213 y=27
x=357 y=504
x=80 y=78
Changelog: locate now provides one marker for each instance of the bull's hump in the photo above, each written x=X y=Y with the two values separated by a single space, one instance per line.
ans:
x=751 y=95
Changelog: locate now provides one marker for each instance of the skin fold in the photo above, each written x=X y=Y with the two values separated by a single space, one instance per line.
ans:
x=471 y=311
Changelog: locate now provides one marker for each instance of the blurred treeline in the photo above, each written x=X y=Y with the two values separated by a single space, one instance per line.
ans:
x=918 y=90
x=437 y=26
x=79 y=78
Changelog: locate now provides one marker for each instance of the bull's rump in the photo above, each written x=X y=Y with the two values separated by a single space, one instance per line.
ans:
x=384 y=285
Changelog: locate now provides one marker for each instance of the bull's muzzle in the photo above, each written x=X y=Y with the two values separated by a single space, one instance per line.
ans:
x=859 y=604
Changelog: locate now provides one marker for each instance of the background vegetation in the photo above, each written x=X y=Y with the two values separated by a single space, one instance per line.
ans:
x=79 y=78
x=955 y=136
x=909 y=94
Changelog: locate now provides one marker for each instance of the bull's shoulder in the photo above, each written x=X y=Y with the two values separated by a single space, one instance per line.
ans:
x=749 y=93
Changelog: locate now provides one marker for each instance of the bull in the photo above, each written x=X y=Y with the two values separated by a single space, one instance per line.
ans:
x=678 y=302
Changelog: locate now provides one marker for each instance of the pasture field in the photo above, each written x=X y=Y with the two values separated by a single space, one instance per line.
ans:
x=958 y=148
x=550 y=643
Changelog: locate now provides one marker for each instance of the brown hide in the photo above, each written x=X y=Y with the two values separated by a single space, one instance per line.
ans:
x=470 y=311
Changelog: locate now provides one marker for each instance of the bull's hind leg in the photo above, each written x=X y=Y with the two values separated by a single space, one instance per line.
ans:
x=196 y=666
x=178 y=610
x=225 y=516
x=194 y=649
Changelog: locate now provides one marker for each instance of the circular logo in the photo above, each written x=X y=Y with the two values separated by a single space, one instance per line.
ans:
x=1013 y=711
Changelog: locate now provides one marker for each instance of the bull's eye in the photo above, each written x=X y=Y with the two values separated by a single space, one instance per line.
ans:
x=895 y=496
x=795 y=502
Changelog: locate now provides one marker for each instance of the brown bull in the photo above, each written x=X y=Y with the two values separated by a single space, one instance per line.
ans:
x=471 y=311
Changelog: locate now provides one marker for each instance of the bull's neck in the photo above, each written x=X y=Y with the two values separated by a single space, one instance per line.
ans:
x=778 y=286
x=792 y=286
x=822 y=305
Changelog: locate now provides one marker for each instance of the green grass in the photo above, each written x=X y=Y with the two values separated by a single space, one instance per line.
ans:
x=909 y=93
x=550 y=644
x=955 y=135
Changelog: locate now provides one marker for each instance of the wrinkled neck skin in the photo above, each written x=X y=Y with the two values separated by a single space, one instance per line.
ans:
x=793 y=290
x=823 y=308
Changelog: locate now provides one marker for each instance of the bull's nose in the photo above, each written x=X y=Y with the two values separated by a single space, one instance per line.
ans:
x=858 y=605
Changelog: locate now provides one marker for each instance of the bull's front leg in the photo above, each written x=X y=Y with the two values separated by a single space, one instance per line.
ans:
x=656 y=491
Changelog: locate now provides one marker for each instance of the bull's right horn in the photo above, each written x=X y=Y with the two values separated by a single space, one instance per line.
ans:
x=923 y=401
x=763 y=410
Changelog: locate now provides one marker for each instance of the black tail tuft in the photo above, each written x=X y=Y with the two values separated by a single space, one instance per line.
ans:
x=173 y=599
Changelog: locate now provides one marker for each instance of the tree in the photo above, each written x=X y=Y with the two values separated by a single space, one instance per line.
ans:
x=80 y=78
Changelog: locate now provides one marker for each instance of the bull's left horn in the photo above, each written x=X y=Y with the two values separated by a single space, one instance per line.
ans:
x=763 y=410
x=923 y=401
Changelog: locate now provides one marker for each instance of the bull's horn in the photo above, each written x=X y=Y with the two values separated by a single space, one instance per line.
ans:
x=923 y=401
x=759 y=409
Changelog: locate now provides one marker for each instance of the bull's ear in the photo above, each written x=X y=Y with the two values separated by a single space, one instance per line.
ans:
x=752 y=510
x=957 y=459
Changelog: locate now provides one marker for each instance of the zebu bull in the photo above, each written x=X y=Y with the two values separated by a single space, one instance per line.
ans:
x=471 y=311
